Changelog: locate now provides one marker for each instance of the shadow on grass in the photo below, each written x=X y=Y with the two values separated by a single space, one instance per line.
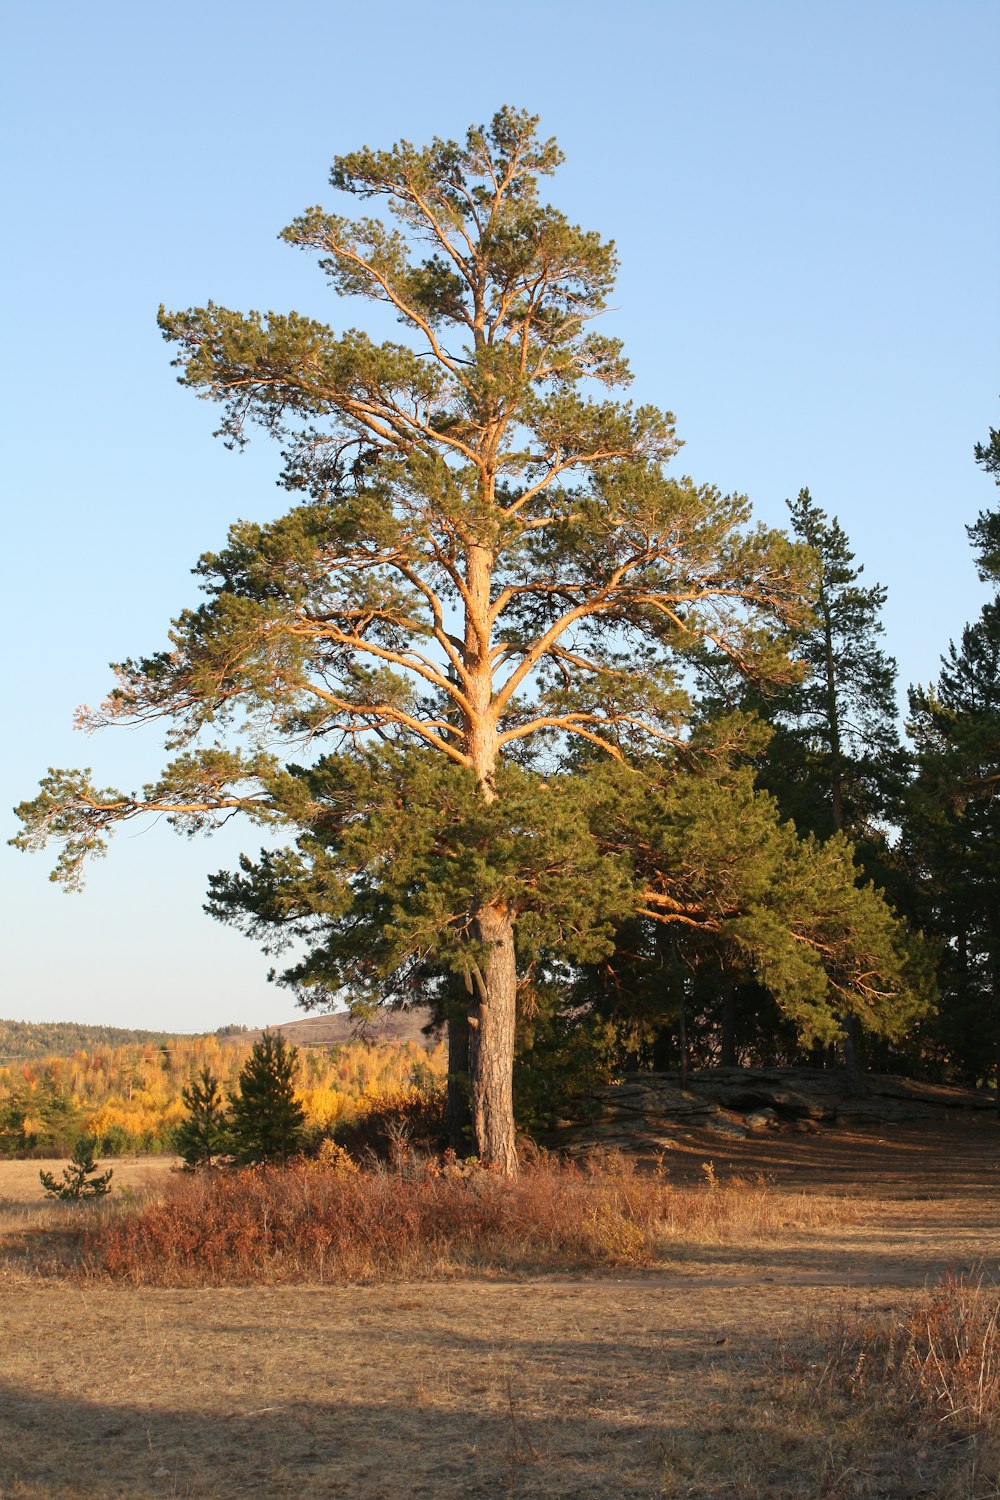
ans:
x=746 y=1441
x=840 y=1266
x=86 y=1450
x=943 y=1159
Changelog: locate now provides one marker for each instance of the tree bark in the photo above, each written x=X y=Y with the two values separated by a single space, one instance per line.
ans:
x=856 y=1084
x=682 y=1040
x=994 y=941
x=833 y=717
x=492 y=1016
x=727 y=1048
x=458 y=1115
x=493 y=1006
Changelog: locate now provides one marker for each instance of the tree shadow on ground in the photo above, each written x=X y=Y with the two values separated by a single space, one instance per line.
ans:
x=746 y=1439
x=86 y=1450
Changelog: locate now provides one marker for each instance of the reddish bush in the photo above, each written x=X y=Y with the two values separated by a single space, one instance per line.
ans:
x=308 y=1222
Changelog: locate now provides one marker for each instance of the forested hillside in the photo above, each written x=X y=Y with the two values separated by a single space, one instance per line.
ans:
x=21 y=1040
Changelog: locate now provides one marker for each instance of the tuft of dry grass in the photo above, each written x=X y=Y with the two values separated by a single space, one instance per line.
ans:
x=937 y=1363
x=899 y=1400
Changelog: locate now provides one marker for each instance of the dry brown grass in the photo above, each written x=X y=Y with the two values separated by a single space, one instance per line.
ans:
x=40 y=1238
x=934 y=1365
x=894 y=1400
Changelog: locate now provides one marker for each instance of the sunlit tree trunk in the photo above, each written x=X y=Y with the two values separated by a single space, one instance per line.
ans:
x=493 y=991
x=491 y=1042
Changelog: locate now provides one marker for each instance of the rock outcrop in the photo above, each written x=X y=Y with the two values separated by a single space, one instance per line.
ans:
x=649 y=1112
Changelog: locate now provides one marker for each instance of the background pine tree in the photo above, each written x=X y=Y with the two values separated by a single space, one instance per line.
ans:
x=951 y=836
x=204 y=1134
x=266 y=1120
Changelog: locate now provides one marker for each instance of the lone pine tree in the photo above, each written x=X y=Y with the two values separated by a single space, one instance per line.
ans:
x=81 y=1179
x=203 y=1134
x=266 y=1119
x=485 y=561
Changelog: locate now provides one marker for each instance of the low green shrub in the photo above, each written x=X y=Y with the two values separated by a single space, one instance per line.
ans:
x=81 y=1179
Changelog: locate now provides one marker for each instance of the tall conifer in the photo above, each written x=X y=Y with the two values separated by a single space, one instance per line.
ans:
x=486 y=558
x=952 y=829
x=266 y=1119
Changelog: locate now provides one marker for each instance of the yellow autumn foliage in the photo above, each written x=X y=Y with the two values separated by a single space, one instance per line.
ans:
x=129 y=1098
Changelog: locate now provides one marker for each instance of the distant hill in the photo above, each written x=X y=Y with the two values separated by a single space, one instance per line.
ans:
x=338 y=1027
x=22 y=1040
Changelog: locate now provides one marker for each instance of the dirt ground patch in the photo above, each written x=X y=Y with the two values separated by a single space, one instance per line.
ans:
x=697 y=1378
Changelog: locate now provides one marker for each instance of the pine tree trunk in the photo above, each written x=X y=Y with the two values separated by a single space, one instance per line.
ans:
x=493 y=1001
x=833 y=729
x=682 y=1040
x=856 y=1084
x=994 y=940
x=458 y=1115
x=727 y=1049
x=492 y=1016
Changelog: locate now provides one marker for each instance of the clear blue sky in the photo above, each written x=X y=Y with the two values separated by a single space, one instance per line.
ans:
x=804 y=198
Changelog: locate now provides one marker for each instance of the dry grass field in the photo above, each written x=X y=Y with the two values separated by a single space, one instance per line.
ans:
x=734 y=1367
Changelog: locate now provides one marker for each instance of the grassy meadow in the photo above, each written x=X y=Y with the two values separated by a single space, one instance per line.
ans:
x=671 y=1329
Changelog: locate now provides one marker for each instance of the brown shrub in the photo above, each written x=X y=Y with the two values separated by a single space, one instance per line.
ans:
x=388 y=1125
x=326 y=1220
x=310 y=1222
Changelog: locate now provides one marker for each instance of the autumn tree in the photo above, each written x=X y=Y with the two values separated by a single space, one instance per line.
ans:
x=485 y=561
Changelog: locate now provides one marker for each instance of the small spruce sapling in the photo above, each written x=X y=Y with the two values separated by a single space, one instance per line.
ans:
x=203 y=1135
x=79 y=1180
x=266 y=1119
